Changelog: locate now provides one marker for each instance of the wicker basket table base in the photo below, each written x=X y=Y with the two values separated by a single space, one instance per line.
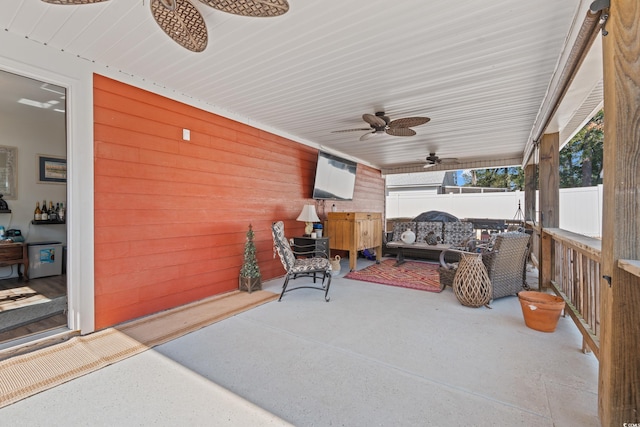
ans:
x=471 y=284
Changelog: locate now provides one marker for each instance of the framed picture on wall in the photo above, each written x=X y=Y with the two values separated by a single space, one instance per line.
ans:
x=9 y=172
x=52 y=169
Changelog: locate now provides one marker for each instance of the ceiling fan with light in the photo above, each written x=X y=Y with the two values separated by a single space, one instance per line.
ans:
x=379 y=124
x=181 y=21
x=433 y=160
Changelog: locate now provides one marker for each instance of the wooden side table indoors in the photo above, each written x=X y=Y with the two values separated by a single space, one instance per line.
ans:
x=15 y=253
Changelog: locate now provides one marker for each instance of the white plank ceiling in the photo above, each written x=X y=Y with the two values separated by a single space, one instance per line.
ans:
x=478 y=69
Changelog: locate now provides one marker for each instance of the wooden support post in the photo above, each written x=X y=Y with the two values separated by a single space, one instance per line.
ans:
x=545 y=273
x=530 y=186
x=549 y=202
x=550 y=183
x=619 y=379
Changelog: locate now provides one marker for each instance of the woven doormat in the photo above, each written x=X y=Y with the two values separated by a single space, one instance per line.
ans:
x=412 y=274
x=28 y=374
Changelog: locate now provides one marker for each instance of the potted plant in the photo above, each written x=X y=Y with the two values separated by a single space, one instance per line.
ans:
x=250 y=279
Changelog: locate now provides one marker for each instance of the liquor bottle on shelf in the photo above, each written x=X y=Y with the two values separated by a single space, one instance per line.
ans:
x=45 y=214
x=52 y=212
x=37 y=214
x=61 y=213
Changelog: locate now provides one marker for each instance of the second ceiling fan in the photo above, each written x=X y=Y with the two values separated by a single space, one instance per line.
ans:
x=433 y=160
x=380 y=124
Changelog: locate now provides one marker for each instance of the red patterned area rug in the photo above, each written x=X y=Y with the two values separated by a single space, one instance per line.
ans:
x=412 y=274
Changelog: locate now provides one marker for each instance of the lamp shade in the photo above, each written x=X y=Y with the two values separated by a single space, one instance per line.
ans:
x=308 y=214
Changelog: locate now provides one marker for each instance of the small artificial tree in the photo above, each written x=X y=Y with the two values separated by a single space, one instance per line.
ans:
x=250 y=271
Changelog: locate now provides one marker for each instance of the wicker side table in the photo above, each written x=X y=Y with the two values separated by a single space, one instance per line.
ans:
x=471 y=284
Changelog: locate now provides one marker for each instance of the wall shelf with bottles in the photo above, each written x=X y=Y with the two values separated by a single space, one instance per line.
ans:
x=46 y=221
x=51 y=215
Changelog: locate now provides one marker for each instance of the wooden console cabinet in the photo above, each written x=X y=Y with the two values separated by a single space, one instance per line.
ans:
x=15 y=253
x=353 y=232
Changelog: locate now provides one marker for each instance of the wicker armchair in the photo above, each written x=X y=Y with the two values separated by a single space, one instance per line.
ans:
x=505 y=262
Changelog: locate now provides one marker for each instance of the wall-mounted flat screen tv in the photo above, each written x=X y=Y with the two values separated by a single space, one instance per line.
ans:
x=335 y=178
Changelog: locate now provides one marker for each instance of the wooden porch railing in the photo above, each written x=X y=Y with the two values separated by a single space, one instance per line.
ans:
x=575 y=276
x=535 y=243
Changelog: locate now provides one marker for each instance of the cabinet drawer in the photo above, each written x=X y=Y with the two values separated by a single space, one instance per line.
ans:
x=352 y=216
x=319 y=246
x=322 y=246
x=10 y=251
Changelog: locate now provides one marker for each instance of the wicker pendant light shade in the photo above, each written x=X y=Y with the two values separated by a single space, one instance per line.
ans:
x=73 y=2
x=182 y=22
x=258 y=8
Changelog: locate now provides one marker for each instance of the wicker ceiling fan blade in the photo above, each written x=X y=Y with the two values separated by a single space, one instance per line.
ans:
x=255 y=8
x=282 y=5
x=408 y=122
x=351 y=130
x=401 y=131
x=169 y=4
x=370 y=135
x=72 y=2
x=184 y=24
x=375 y=121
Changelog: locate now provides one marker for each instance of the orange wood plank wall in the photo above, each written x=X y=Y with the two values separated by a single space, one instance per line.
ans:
x=171 y=215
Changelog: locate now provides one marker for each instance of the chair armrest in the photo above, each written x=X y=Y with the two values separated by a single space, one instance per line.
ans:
x=470 y=245
x=488 y=259
x=443 y=263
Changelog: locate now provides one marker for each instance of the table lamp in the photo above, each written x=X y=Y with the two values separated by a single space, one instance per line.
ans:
x=309 y=216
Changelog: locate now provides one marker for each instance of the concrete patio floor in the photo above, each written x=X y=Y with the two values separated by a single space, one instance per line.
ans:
x=373 y=355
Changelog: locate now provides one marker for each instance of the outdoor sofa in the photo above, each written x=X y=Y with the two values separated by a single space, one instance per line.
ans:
x=457 y=234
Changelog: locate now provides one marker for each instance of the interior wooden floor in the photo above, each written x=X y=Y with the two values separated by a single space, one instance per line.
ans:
x=15 y=293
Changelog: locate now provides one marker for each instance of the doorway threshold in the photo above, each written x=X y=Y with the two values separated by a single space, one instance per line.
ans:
x=35 y=342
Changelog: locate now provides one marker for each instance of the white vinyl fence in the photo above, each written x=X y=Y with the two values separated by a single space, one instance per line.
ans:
x=580 y=208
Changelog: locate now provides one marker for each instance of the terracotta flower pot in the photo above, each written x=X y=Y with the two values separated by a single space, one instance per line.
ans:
x=541 y=311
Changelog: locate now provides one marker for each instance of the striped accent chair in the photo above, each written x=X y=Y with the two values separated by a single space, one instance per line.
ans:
x=300 y=263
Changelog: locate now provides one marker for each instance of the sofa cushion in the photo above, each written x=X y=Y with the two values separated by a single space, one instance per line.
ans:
x=425 y=227
x=457 y=232
x=401 y=227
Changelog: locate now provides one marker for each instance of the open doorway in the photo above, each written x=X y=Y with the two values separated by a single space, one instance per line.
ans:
x=33 y=229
